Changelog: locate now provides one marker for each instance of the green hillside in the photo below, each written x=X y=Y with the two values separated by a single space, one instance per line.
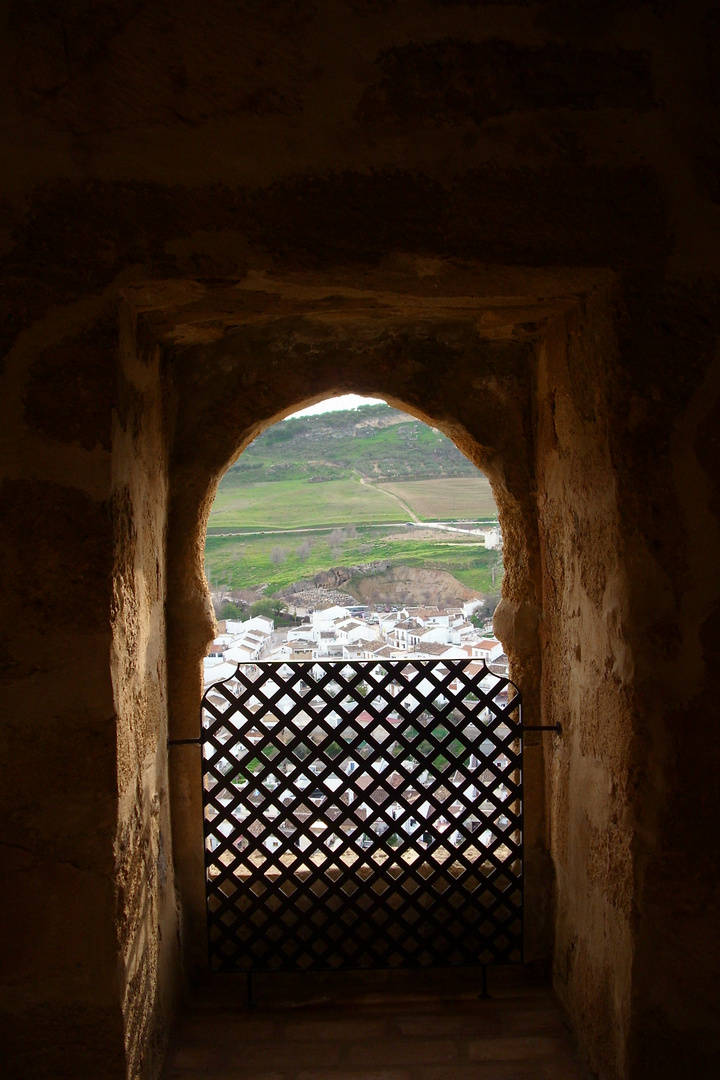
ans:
x=237 y=562
x=296 y=503
x=359 y=466
x=315 y=492
x=375 y=441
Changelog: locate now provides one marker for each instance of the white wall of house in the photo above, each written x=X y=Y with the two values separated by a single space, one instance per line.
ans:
x=259 y=622
x=243 y=652
x=328 y=615
x=437 y=634
x=349 y=630
x=440 y=618
x=216 y=671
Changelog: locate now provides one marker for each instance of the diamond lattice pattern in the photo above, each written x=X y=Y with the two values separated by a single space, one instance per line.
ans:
x=363 y=815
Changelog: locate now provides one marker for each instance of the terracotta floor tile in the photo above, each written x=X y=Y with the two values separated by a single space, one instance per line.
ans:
x=193 y=1057
x=340 y=1028
x=486 y=1071
x=281 y=1055
x=401 y=1051
x=373 y=1028
x=517 y=1048
x=228 y=1028
x=353 y=1074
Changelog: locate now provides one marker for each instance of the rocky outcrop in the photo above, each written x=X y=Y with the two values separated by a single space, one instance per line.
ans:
x=410 y=585
x=379 y=583
x=338 y=576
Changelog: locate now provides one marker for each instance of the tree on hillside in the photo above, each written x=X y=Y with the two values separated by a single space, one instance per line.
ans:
x=303 y=552
x=278 y=555
x=481 y=615
x=336 y=540
x=230 y=610
x=270 y=607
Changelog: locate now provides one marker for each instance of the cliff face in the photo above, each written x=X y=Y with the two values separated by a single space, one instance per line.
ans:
x=409 y=585
x=340 y=575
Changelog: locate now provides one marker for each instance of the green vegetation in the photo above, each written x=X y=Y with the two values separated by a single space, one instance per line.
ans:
x=272 y=608
x=316 y=492
x=241 y=562
x=375 y=441
x=229 y=610
x=328 y=470
x=292 y=504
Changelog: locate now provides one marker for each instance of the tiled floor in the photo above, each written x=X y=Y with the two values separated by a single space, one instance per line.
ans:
x=379 y=1026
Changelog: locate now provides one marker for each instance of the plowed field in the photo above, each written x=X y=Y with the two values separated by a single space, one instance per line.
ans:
x=446 y=500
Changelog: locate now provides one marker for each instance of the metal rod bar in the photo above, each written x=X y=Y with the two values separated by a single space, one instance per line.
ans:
x=184 y=742
x=543 y=727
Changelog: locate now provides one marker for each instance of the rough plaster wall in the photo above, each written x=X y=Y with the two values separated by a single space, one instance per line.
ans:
x=146 y=915
x=60 y=1012
x=87 y=894
x=148 y=140
x=627 y=490
x=587 y=683
x=668 y=399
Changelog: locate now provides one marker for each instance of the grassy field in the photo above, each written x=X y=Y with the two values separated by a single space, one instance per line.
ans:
x=347 y=472
x=447 y=499
x=290 y=504
x=238 y=562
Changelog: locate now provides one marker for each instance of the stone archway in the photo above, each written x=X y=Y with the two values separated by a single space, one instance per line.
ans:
x=487 y=361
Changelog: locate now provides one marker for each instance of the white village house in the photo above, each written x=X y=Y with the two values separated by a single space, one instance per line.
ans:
x=333 y=633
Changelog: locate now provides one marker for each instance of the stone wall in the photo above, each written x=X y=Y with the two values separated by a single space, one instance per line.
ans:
x=59 y=790
x=588 y=669
x=664 y=442
x=146 y=916
x=503 y=216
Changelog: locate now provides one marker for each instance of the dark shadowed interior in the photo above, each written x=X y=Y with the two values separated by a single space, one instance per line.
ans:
x=502 y=217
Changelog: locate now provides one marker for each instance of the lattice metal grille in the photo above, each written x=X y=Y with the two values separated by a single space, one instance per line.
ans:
x=362 y=815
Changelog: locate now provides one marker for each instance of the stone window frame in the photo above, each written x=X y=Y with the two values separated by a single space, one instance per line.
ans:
x=447 y=343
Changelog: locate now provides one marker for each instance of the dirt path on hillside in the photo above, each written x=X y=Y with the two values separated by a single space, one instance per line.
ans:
x=410 y=512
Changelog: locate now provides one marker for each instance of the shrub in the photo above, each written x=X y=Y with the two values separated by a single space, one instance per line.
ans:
x=230 y=610
x=269 y=607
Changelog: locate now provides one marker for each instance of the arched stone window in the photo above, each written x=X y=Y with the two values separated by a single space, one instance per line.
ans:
x=214 y=366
